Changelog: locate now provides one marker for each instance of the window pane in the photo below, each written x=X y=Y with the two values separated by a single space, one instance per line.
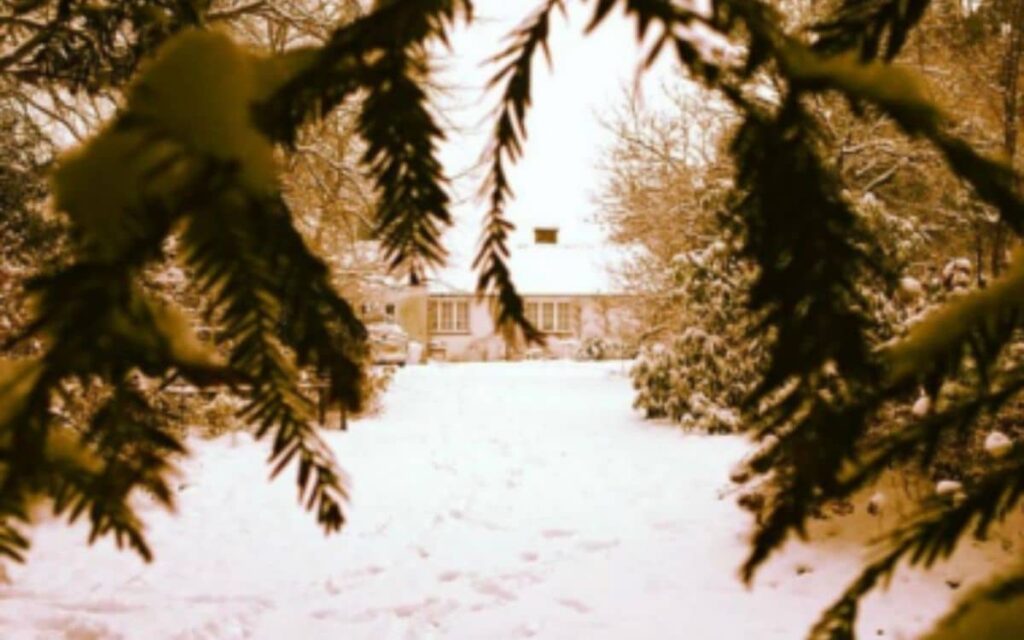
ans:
x=432 y=315
x=462 y=316
x=563 y=317
x=531 y=312
x=548 y=321
x=545 y=235
x=447 y=322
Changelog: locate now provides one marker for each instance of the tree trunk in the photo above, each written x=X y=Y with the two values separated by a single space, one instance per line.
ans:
x=1010 y=74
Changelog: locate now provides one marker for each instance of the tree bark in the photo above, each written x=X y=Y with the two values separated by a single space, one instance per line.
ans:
x=1010 y=75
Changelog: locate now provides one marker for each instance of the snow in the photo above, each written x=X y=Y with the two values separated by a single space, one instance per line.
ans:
x=563 y=269
x=490 y=500
x=998 y=444
x=911 y=288
x=922 y=406
x=947 y=488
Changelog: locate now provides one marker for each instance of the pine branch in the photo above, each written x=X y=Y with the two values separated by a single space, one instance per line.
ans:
x=317 y=324
x=805 y=464
x=98 y=325
x=977 y=604
x=812 y=253
x=228 y=253
x=507 y=146
x=978 y=324
x=402 y=137
x=664 y=13
x=817 y=433
x=156 y=165
x=933 y=535
x=871 y=28
x=334 y=73
x=125 y=448
x=810 y=247
x=901 y=95
x=384 y=54
x=13 y=543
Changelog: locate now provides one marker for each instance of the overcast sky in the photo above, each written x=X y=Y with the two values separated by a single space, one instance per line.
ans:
x=555 y=183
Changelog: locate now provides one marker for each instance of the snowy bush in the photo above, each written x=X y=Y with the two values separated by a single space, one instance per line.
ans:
x=703 y=372
x=598 y=348
x=377 y=381
x=688 y=383
x=213 y=416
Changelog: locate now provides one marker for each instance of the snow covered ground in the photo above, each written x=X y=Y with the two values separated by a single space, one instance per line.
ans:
x=489 y=501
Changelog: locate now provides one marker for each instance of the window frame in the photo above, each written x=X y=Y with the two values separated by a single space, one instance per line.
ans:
x=562 y=318
x=448 y=316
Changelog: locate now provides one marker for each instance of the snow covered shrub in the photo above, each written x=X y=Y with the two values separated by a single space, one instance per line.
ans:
x=699 y=378
x=375 y=383
x=599 y=348
x=214 y=416
x=686 y=383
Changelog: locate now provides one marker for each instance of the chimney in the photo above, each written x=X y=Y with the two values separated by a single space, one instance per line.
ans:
x=545 y=235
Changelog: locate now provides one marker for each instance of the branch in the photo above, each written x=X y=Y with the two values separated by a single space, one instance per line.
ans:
x=507 y=145
x=234 y=12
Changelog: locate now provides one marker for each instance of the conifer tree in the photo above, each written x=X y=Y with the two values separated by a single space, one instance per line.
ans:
x=198 y=156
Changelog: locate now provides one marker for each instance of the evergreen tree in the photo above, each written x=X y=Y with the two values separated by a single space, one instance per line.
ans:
x=193 y=149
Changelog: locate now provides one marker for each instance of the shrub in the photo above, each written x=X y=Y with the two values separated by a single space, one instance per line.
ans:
x=703 y=372
x=599 y=348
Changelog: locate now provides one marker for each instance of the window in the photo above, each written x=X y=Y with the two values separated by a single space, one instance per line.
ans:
x=563 y=325
x=448 y=316
x=545 y=235
x=389 y=311
x=547 y=318
x=531 y=313
x=550 y=316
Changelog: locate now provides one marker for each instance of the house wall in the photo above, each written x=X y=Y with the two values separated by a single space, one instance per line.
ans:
x=479 y=344
x=609 y=317
x=597 y=316
x=411 y=312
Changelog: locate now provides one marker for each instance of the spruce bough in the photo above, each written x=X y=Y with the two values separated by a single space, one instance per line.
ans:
x=192 y=153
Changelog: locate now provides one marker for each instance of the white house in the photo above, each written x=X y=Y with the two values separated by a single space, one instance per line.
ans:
x=569 y=290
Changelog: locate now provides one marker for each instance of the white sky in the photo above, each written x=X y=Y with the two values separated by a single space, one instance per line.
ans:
x=555 y=183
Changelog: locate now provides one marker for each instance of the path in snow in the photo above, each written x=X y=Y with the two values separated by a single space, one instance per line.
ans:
x=489 y=501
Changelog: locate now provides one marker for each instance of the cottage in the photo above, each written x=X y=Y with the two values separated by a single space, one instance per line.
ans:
x=569 y=291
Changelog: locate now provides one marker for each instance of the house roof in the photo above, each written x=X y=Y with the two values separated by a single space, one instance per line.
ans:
x=545 y=270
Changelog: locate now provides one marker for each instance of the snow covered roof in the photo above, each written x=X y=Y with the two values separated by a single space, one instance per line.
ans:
x=545 y=269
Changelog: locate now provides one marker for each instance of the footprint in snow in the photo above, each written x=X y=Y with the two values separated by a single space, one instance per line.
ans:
x=408 y=610
x=331 y=588
x=520 y=579
x=449 y=576
x=671 y=526
x=491 y=588
x=369 y=570
x=368 y=615
x=551 y=534
x=575 y=605
x=529 y=556
x=598 y=545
